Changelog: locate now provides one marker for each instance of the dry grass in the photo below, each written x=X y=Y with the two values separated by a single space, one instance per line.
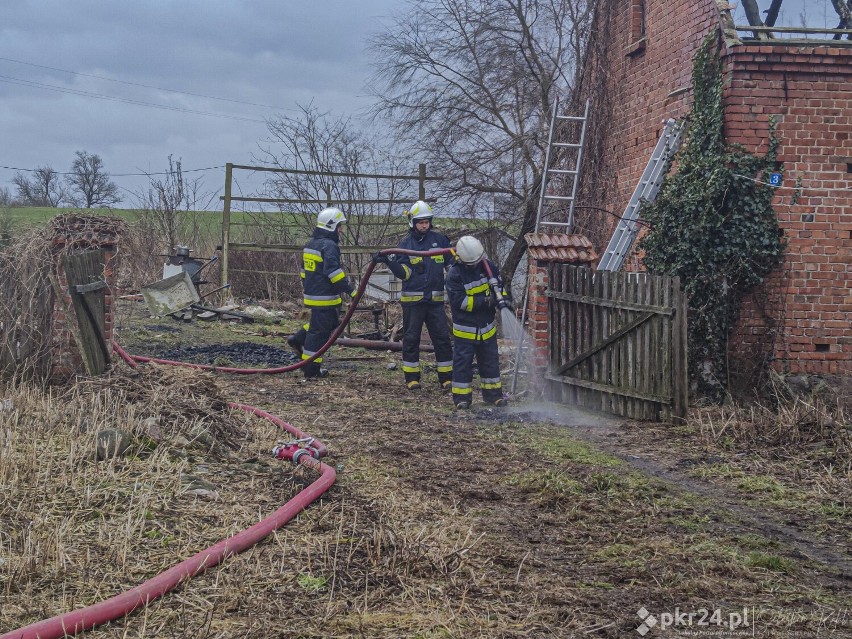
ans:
x=438 y=526
x=26 y=305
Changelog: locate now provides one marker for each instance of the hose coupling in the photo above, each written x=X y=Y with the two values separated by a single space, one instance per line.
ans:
x=311 y=452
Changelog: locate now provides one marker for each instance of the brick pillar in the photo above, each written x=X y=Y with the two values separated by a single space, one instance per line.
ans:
x=73 y=234
x=537 y=314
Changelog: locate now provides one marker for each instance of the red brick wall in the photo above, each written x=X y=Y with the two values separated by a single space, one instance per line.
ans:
x=800 y=320
x=634 y=89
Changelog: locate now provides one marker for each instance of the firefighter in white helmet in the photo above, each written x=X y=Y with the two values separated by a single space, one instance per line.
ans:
x=422 y=296
x=474 y=304
x=325 y=286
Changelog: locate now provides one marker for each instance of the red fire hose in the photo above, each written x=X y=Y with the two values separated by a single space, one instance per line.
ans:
x=306 y=451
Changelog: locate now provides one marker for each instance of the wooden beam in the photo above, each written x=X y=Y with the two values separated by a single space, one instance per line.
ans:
x=644 y=317
x=606 y=388
x=599 y=301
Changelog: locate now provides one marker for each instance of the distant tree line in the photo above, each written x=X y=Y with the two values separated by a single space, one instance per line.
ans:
x=85 y=185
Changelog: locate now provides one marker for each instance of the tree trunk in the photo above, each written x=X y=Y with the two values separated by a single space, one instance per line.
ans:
x=753 y=16
x=519 y=249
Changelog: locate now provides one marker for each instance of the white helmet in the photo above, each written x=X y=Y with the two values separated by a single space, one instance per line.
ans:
x=329 y=218
x=419 y=211
x=470 y=250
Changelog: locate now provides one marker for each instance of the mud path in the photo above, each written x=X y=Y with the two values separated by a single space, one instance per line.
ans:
x=625 y=441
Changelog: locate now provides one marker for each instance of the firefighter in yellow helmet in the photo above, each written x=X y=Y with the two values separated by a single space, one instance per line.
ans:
x=422 y=297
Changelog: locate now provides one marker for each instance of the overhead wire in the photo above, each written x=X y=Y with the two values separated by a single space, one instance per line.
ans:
x=207 y=168
x=90 y=94
x=147 y=86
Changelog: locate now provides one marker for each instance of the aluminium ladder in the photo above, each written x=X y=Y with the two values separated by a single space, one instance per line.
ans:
x=555 y=120
x=649 y=185
x=574 y=173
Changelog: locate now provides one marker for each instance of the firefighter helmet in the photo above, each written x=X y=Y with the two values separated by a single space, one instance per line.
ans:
x=470 y=250
x=329 y=219
x=419 y=211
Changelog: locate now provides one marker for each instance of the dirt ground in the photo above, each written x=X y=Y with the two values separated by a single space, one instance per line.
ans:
x=536 y=521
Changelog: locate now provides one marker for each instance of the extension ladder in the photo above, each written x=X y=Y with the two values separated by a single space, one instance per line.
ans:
x=652 y=178
x=574 y=173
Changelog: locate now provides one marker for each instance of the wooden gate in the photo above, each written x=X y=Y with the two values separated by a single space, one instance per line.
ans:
x=618 y=342
x=87 y=288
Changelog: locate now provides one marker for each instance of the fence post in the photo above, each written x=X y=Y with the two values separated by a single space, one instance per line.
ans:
x=226 y=222
x=421 y=182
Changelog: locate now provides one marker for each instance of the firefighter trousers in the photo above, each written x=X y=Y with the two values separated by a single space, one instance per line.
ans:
x=324 y=319
x=413 y=317
x=488 y=362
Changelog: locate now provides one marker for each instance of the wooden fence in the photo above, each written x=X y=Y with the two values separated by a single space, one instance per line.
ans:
x=618 y=342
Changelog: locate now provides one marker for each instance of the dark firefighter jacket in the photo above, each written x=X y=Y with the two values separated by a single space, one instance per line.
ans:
x=422 y=277
x=472 y=301
x=323 y=277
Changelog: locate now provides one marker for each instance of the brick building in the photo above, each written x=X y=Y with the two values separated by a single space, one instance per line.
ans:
x=638 y=74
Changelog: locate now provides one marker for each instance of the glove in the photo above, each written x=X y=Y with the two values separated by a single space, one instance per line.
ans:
x=378 y=258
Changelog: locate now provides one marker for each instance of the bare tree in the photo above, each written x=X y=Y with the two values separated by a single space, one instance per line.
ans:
x=88 y=184
x=470 y=84
x=42 y=188
x=315 y=141
x=171 y=204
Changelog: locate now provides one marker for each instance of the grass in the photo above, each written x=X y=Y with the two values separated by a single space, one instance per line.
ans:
x=439 y=525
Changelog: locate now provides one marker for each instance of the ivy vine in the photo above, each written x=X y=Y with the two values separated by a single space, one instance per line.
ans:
x=713 y=225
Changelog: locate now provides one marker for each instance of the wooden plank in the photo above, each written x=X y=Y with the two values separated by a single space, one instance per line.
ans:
x=657 y=349
x=623 y=392
x=621 y=382
x=596 y=334
x=556 y=310
x=554 y=343
x=570 y=283
x=586 y=338
x=646 y=355
x=606 y=367
x=598 y=300
x=564 y=326
x=82 y=269
x=666 y=344
x=680 y=390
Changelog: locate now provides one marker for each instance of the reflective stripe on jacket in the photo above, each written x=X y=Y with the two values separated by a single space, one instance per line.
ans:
x=323 y=277
x=422 y=277
x=472 y=302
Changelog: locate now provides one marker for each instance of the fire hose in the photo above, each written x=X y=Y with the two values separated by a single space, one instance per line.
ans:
x=304 y=451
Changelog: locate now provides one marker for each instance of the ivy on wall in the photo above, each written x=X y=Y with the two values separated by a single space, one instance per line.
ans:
x=713 y=225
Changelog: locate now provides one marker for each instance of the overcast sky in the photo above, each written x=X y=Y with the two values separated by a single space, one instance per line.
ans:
x=267 y=52
x=277 y=53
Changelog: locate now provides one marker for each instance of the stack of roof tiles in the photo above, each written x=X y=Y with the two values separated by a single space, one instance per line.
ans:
x=562 y=248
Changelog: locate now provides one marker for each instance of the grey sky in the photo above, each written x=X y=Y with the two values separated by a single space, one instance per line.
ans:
x=270 y=52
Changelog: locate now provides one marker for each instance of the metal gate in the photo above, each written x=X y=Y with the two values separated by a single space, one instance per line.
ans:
x=618 y=342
